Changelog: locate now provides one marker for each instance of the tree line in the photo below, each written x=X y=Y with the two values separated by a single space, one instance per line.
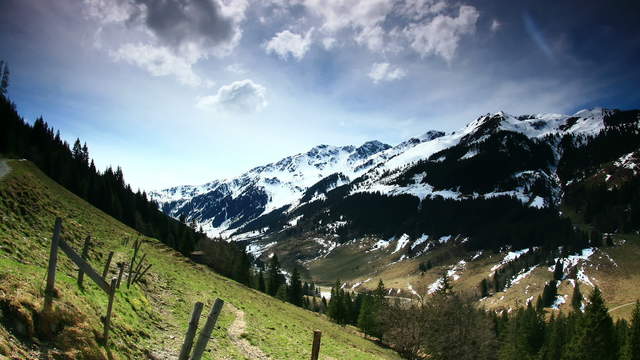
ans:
x=448 y=325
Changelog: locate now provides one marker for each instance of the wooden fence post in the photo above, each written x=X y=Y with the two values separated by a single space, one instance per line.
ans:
x=140 y=275
x=136 y=246
x=85 y=253
x=191 y=332
x=105 y=271
x=121 y=265
x=138 y=267
x=315 y=350
x=53 y=260
x=205 y=333
x=107 y=318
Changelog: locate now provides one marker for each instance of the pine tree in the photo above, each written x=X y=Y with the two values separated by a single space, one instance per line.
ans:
x=366 y=318
x=576 y=298
x=295 y=295
x=379 y=292
x=261 y=285
x=484 y=288
x=445 y=286
x=632 y=347
x=549 y=293
x=336 y=305
x=558 y=272
x=555 y=339
x=595 y=337
x=275 y=276
x=4 y=80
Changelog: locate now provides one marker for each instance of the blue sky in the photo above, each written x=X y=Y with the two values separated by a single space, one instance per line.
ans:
x=187 y=91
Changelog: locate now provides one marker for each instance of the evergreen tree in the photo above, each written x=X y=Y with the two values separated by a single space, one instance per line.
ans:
x=295 y=295
x=379 y=293
x=336 y=304
x=366 y=318
x=445 y=286
x=632 y=347
x=558 y=272
x=261 y=284
x=549 y=293
x=275 y=279
x=594 y=337
x=4 y=79
x=484 y=288
x=576 y=298
x=555 y=339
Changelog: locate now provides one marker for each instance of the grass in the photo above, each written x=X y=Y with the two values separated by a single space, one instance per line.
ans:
x=147 y=317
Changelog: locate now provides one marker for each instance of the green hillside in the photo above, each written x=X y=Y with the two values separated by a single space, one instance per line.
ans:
x=149 y=319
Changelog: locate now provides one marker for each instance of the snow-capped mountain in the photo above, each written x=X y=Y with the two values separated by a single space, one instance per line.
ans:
x=227 y=204
x=496 y=156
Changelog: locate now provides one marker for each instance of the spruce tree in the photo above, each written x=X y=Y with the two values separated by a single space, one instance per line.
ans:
x=558 y=271
x=335 y=303
x=632 y=347
x=484 y=288
x=295 y=294
x=576 y=298
x=261 y=284
x=4 y=80
x=594 y=337
x=366 y=318
x=549 y=293
x=445 y=286
x=275 y=276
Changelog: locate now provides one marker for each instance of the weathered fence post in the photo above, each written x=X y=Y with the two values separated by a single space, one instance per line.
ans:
x=137 y=269
x=107 y=318
x=120 y=272
x=315 y=350
x=105 y=271
x=191 y=332
x=205 y=333
x=85 y=253
x=53 y=259
x=136 y=246
x=140 y=275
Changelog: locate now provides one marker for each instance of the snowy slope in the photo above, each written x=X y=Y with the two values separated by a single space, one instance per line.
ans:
x=223 y=204
x=538 y=127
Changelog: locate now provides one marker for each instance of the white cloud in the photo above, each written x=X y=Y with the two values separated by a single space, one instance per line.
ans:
x=386 y=72
x=158 y=61
x=339 y=14
x=244 y=96
x=441 y=34
x=418 y=9
x=328 y=43
x=286 y=43
x=372 y=37
x=172 y=35
x=495 y=25
x=364 y=17
x=236 y=69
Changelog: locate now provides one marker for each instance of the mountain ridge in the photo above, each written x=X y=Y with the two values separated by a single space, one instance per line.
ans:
x=221 y=206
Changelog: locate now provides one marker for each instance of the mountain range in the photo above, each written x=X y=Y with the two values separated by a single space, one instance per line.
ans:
x=531 y=188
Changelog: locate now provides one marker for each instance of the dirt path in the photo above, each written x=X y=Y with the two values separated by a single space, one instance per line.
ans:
x=621 y=306
x=236 y=330
x=4 y=168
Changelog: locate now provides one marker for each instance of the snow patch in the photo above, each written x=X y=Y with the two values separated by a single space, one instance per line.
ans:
x=402 y=242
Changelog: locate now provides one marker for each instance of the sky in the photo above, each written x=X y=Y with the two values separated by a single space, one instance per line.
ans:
x=188 y=91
